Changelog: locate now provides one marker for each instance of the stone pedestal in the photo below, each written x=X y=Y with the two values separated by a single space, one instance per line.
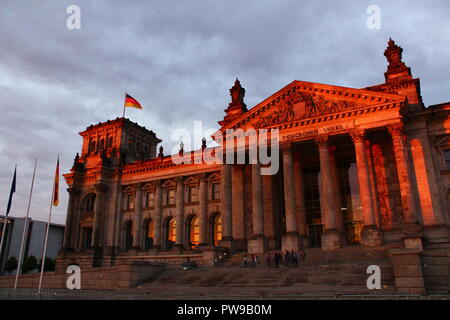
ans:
x=371 y=236
x=412 y=236
x=303 y=242
x=227 y=242
x=331 y=239
x=408 y=271
x=290 y=242
x=257 y=245
x=212 y=254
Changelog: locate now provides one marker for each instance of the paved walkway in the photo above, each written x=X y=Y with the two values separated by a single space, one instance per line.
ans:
x=48 y=294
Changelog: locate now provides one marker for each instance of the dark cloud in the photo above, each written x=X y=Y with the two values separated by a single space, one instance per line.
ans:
x=179 y=58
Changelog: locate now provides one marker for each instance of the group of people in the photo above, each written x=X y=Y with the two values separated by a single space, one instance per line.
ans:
x=288 y=259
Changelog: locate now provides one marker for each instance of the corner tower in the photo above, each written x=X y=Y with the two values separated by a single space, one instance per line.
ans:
x=115 y=142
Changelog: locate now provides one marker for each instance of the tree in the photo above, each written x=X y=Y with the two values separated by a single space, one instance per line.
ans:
x=29 y=264
x=49 y=264
x=11 y=265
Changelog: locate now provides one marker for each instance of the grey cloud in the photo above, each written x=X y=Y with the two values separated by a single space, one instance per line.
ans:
x=179 y=58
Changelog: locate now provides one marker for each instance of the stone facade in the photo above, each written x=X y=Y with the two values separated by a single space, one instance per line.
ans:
x=363 y=167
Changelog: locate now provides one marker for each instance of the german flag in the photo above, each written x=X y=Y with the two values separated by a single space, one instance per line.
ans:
x=56 y=186
x=131 y=102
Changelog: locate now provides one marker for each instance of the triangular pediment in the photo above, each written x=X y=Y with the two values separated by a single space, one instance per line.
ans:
x=302 y=100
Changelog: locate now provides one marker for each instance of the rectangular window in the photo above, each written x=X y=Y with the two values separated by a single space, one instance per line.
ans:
x=216 y=191
x=129 y=202
x=447 y=158
x=149 y=199
x=170 y=197
x=193 y=193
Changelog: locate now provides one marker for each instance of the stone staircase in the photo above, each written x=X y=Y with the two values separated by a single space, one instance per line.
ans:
x=338 y=272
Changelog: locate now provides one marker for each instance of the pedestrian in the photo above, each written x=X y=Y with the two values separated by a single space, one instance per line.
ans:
x=245 y=260
x=294 y=258
x=303 y=255
x=276 y=259
x=287 y=258
x=255 y=260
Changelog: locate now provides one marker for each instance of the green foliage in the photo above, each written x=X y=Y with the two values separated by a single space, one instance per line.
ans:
x=49 y=264
x=29 y=264
x=11 y=265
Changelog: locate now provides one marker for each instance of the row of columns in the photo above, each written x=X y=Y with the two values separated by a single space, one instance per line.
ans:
x=330 y=197
x=296 y=227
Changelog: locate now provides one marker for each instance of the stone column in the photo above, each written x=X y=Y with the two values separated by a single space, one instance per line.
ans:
x=137 y=216
x=69 y=231
x=114 y=211
x=373 y=184
x=98 y=213
x=404 y=178
x=258 y=243
x=227 y=224
x=157 y=241
x=203 y=215
x=337 y=190
x=433 y=214
x=331 y=238
x=290 y=239
x=370 y=235
x=300 y=201
x=180 y=212
x=238 y=206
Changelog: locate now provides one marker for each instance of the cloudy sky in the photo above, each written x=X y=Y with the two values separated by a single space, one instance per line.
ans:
x=179 y=58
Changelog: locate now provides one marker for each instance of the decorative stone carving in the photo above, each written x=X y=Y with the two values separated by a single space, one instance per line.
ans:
x=358 y=135
x=322 y=140
x=301 y=105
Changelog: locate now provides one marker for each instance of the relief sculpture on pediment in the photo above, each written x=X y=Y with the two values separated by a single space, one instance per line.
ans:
x=301 y=105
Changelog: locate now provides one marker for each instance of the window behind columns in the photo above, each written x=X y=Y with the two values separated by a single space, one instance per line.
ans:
x=312 y=205
x=215 y=186
x=447 y=158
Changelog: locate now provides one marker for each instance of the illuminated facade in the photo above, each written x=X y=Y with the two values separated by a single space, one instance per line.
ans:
x=363 y=167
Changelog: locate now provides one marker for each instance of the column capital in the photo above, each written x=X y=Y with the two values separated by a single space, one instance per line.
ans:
x=322 y=140
x=138 y=185
x=157 y=183
x=286 y=147
x=100 y=187
x=179 y=180
x=396 y=129
x=358 y=135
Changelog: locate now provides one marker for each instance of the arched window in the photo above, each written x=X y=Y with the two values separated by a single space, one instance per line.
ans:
x=109 y=142
x=149 y=234
x=171 y=232
x=216 y=228
x=86 y=238
x=101 y=144
x=89 y=203
x=128 y=235
x=193 y=230
x=91 y=146
x=138 y=148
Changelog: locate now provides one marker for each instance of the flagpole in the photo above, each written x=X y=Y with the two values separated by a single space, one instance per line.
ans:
x=5 y=223
x=123 y=116
x=44 y=251
x=25 y=228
